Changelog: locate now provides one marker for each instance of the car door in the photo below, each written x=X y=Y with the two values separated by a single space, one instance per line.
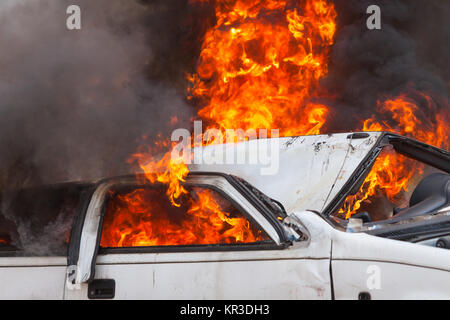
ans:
x=267 y=266
x=370 y=267
x=32 y=278
x=35 y=224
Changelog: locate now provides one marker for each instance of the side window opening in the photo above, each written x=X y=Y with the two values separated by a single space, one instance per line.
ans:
x=38 y=221
x=144 y=217
x=389 y=187
x=6 y=233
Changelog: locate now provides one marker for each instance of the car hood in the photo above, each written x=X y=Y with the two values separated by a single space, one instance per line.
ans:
x=303 y=173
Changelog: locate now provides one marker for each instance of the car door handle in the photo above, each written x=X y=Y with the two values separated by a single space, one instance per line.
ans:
x=102 y=289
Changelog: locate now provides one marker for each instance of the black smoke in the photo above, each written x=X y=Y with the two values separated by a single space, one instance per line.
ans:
x=75 y=104
x=408 y=55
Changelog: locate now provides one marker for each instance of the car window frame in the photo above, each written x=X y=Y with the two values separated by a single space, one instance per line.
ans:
x=84 y=251
x=260 y=245
x=438 y=158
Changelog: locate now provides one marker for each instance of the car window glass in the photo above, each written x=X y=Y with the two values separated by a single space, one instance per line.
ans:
x=145 y=217
x=388 y=187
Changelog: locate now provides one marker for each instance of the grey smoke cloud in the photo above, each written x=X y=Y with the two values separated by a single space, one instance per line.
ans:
x=409 y=53
x=74 y=103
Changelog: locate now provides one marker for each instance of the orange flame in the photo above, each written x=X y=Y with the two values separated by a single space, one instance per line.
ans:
x=404 y=113
x=169 y=170
x=140 y=218
x=389 y=176
x=392 y=173
x=261 y=62
x=260 y=67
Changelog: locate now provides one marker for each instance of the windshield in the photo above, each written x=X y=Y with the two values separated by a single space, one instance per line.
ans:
x=144 y=216
x=396 y=185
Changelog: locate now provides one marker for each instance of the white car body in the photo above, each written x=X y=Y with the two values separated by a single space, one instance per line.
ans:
x=326 y=263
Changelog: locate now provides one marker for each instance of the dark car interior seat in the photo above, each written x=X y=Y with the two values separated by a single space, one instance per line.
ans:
x=431 y=194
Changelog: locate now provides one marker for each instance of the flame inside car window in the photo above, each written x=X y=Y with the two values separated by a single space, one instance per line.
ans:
x=145 y=217
x=387 y=187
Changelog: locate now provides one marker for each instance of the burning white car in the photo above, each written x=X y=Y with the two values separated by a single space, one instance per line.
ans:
x=325 y=226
